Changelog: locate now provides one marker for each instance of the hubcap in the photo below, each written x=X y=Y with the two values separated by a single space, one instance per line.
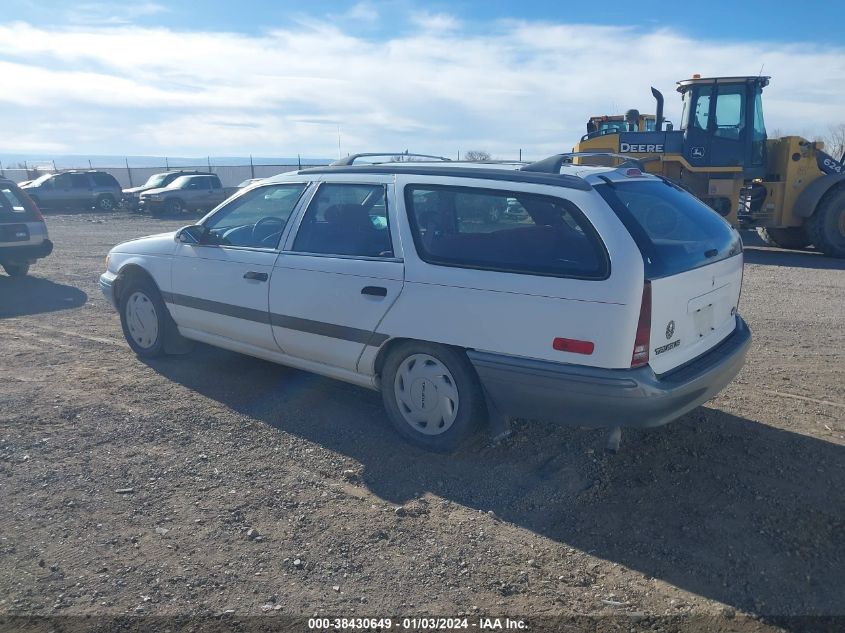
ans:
x=106 y=203
x=426 y=394
x=142 y=320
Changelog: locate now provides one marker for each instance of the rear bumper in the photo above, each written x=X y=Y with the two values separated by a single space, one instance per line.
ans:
x=26 y=253
x=594 y=397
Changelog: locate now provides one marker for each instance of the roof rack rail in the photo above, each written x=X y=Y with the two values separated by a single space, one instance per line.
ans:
x=552 y=164
x=350 y=160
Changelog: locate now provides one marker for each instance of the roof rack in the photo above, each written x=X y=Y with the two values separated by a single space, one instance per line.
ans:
x=552 y=164
x=350 y=160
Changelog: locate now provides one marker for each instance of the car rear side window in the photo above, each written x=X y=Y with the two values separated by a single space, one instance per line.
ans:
x=102 y=179
x=509 y=231
x=675 y=231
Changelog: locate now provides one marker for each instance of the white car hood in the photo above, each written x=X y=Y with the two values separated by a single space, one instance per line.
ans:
x=160 y=244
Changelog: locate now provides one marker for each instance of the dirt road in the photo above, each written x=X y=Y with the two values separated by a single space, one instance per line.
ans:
x=214 y=483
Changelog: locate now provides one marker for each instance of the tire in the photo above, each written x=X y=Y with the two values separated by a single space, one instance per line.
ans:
x=174 y=206
x=144 y=318
x=826 y=227
x=106 y=202
x=16 y=270
x=414 y=369
x=791 y=237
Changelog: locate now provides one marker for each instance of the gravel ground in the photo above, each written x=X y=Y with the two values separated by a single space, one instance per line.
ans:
x=214 y=483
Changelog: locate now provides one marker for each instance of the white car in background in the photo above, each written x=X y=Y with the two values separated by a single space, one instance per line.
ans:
x=610 y=298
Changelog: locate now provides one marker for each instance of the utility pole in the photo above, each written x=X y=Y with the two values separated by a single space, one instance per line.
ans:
x=251 y=167
x=129 y=172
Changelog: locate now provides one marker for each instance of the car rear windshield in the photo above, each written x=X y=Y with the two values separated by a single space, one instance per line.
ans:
x=675 y=231
x=14 y=205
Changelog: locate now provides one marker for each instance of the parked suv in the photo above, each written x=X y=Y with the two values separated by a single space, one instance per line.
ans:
x=185 y=193
x=23 y=233
x=132 y=196
x=83 y=189
x=612 y=301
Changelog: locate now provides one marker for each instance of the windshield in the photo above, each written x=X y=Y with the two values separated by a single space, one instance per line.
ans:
x=41 y=179
x=156 y=180
x=180 y=182
x=675 y=231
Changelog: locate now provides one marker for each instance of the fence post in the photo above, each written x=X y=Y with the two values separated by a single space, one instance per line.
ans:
x=208 y=161
x=251 y=167
x=166 y=164
x=129 y=172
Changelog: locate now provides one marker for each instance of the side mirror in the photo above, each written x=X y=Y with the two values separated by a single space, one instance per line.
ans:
x=194 y=234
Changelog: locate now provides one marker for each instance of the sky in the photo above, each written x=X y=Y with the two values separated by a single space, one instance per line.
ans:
x=322 y=79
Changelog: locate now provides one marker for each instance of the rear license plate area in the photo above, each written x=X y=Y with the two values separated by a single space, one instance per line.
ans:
x=14 y=233
x=703 y=319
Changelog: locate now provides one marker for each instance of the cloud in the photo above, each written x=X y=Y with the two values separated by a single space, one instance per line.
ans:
x=501 y=87
x=93 y=13
x=435 y=21
x=362 y=11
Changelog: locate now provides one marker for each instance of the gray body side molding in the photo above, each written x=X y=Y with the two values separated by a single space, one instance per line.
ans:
x=809 y=199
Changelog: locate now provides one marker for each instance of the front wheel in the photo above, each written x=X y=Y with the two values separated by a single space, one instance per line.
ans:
x=432 y=395
x=174 y=207
x=826 y=227
x=143 y=317
x=16 y=270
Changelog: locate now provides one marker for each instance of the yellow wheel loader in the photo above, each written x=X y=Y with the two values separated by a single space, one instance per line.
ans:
x=787 y=188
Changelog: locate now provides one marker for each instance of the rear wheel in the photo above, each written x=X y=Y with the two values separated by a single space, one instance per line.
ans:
x=789 y=237
x=826 y=227
x=106 y=203
x=143 y=317
x=432 y=395
x=16 y=270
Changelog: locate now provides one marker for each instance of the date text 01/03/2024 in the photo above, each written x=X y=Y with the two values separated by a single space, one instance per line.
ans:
x=414 y=624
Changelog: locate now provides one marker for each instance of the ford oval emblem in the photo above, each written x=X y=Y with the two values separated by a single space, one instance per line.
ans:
x=670 y=329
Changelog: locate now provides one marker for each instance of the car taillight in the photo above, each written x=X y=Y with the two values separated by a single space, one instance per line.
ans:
x=642 y=340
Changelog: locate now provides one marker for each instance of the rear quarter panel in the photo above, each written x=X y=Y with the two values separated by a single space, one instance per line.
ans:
x=521 y=314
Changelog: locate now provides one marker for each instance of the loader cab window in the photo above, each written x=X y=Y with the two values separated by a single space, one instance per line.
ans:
x=702 y=109
x=730 y=111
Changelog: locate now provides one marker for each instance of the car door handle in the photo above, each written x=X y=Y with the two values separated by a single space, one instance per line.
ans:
x=376 y=291
x=256 y=276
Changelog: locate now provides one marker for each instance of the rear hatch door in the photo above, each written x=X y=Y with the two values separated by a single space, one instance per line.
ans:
x=693 y=259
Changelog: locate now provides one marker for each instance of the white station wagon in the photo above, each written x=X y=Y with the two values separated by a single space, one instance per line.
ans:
x=591 y=296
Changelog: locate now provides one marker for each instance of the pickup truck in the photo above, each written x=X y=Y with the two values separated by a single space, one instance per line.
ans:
x=186 y=193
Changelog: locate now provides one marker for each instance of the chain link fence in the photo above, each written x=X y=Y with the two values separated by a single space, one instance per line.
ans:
x=230 y=175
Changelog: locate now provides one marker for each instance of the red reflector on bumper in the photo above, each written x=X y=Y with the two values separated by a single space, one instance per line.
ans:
x=573 y=345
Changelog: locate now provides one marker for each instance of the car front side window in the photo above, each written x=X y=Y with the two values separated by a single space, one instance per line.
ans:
x=255 y=219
